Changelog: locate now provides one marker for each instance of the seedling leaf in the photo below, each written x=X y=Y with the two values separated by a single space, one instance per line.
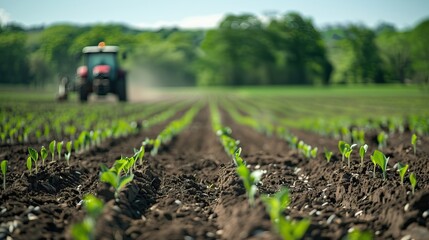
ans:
x=359 y=235
x=362 y=150
x=33 y=154
x=69 y=146
x=59 y=149
x=93 y=205
x=52 y=149
x=402 y=169
x=414 y=142
x=328 y=155
x=380 y=159
x=124 y=181
x=110 y=177
x=413 y=181
x=342 y=146
x=3 y=167
x=29 y=164
x=43 y=154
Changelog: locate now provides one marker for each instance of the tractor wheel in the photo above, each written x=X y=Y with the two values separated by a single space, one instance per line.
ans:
x=121 y=88
x=83 y=93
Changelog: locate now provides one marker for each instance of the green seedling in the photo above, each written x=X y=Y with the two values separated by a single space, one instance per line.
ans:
x=29 y=164
x=382 y=140
x=76 y=145
x=68 y=154
x=362 y=150
x=59 y=149
x=413 y=181
x=414 y=142
x=3 y=167
x=293 y=141
x=342 y=146
x=345 y=133
x=402 y=169
x=356 y=234
x=130 y=163
x=275 y=206
x=34 y=156
x=381 y=160
x=250 y=180
x=238 y=161
x=43 y=154
x=349 y=150
x=115 y=178
x=358 y=136
x=52 y=149
x=313 y=152
x=328 y=155
x=139 y=154
x=156 y=145
x=85 y=230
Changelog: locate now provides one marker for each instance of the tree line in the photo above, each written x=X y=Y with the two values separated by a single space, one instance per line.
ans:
x=242 y=50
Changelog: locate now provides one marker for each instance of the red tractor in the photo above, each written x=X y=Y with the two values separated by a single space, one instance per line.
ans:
x=100 y=74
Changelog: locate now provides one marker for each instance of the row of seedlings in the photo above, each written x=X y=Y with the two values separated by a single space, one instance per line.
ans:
x=275 y=204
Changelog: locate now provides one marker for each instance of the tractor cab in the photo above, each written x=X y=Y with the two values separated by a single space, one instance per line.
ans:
x=101 y=73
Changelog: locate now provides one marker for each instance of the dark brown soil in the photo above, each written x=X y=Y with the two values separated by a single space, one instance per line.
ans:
x=190 y=190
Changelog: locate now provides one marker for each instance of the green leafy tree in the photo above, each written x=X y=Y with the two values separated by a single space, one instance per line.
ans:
x=395 y=52
x=13 y=58
x=419 y=38
x=55 y=42
x=237 y=53
x=365 y=67
x=300 y=50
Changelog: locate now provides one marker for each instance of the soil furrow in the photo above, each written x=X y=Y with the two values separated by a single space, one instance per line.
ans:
x=43 y=205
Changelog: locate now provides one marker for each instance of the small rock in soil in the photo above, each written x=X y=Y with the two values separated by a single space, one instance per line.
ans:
x=406 y=207
x=330 y=219
x=425 y=214
x=32 y=217
x=406 y=237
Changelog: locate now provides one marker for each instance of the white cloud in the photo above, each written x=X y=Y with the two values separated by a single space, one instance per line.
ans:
x=4 y=17
x=192 y=22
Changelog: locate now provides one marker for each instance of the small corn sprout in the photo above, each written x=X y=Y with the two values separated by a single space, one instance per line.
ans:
x=3 y=167
x=381 y=160
x=349 y=150
x=250 y=180
x=414 y=142
x=68 y=154
x=139 y=154
x=362 y=150
x=413 y=181
x=43 y=154
x=275 y=206
x=328 y=155
x=402 y=169
x=34 y=156
x=114 y=176
x=52 y=149
x=238 y=161
x=382 y=140
x=359 y=235
x=29 y=164
x=59 y=149
x=342 y=146
x=85 y=230
x=313 y=152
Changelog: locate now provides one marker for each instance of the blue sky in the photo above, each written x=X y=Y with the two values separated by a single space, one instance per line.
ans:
x=206 y=14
